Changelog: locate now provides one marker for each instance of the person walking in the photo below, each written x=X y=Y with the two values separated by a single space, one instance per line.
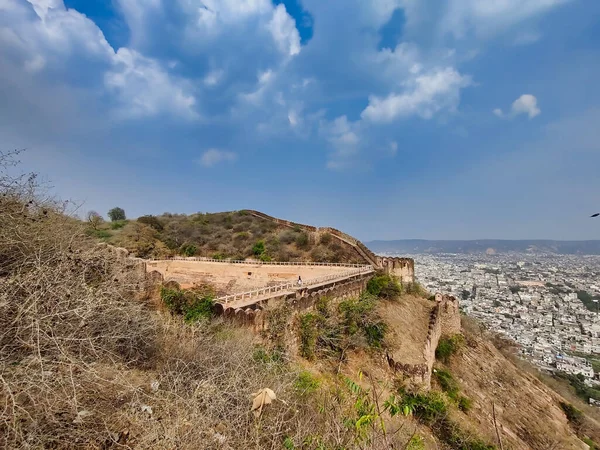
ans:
x=299 y=280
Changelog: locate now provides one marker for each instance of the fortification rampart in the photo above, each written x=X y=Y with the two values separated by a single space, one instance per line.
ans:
x=403 y=268
x=256 y=315
x=444 y=320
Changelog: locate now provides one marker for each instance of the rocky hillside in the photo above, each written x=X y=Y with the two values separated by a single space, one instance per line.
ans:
x=228 y=235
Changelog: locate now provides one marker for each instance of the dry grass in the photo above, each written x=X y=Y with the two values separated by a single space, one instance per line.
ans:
x=87 y=362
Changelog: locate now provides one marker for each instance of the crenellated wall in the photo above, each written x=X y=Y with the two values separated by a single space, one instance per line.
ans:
x=255 y=315
x=403 y=268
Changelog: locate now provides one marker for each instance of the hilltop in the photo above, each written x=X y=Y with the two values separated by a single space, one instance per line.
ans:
x=226 y=235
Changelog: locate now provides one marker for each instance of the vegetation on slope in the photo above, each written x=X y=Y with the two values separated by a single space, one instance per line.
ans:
x=229 y=235
x=89 y=361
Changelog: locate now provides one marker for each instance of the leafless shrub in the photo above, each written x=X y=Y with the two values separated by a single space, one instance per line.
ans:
x=65 y=306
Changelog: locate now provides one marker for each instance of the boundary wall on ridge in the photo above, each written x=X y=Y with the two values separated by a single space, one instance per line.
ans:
x=403 y=268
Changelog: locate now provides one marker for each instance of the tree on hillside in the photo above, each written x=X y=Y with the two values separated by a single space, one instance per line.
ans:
x=94 y=219
x=152 y=222
x=116 y=214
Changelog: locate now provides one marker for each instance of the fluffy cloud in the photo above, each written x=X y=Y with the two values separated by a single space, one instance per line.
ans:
x=424 y=96
x=61 y=41
x=283 y=29
x=213 y=156
x=144 y=88
x=525 y=104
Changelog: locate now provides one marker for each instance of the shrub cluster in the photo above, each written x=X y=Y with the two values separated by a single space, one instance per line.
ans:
x=384 y=286
x=333 y=330
x=449 y=346
x=193 y=306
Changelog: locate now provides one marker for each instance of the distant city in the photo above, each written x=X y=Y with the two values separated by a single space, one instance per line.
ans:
x=545 y=302
x=491 y=246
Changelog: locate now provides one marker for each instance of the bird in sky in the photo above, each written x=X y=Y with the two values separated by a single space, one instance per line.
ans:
x=595 y=215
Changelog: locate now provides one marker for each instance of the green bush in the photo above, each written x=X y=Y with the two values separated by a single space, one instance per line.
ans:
x=275 y=356
x=201 y=308
x=426 y=407
x=447 y=383
x=384 y=286
x=464 y=404
x=448 y=347
x=190 y=305
x=188 y=249
x=118 y=224
x=574 y=416
x=325 y=239
x=265 y=258
x=306 y=383
x=100 y=234
x=308 y=335
x=302 y=241
x=416 y=443
x=259 y=248
x=219 y=256
x=151 y=221
x=375 y=333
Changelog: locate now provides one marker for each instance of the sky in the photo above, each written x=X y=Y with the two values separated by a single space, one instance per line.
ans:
x=388 y=119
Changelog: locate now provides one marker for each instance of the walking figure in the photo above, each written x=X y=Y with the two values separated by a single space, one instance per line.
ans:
x=299 y=281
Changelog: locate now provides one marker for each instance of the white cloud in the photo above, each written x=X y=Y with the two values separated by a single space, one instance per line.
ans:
x=491 y=16
x=393 y=148
x=424 y=96
x=283 y=29
x=343 y=137
x=214 y=156
x=525 y=104
x=214 y=77
x=146 y=89
x=293 y=118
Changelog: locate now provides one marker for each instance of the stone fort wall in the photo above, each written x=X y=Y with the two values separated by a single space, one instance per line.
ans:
x=403 y=268
x=444 y=320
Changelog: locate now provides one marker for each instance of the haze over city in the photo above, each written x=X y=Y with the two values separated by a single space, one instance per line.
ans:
x=388 y=119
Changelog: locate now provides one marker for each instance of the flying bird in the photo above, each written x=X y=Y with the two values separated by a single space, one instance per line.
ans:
x=595 y=215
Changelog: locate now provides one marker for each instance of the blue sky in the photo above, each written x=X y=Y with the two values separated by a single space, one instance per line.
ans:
x=389 y=119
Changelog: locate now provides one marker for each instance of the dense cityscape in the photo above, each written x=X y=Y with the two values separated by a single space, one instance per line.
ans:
x=546 y=303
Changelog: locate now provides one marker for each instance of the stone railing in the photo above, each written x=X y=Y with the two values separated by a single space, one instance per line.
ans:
x=266 y=291
x=264 y=263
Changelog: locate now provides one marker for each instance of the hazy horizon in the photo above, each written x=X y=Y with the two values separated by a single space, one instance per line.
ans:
x=386 y=119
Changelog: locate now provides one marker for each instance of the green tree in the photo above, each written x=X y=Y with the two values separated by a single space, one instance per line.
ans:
x=259 y=248
x=151 y=221
x=116 y=214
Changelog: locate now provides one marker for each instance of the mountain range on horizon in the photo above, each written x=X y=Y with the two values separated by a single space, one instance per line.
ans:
x=416 y=246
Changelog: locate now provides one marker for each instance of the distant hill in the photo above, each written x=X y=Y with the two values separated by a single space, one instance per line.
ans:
x=412 y=246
